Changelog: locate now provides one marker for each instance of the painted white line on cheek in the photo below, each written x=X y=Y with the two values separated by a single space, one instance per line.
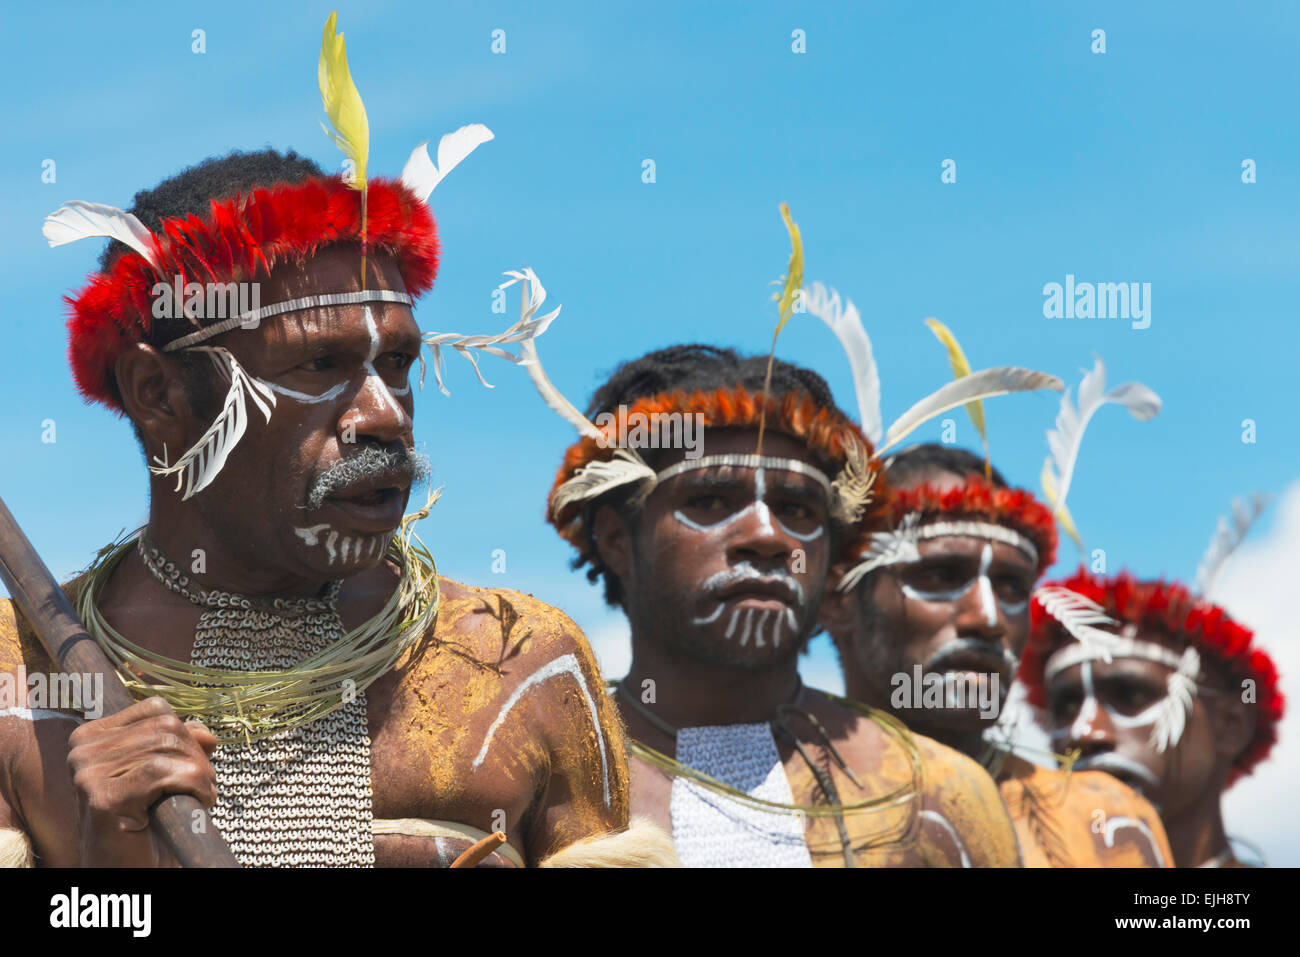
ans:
x=373 y=373
x=329 y=544
x=749 y=621
x=732 y=626
x=714 y=617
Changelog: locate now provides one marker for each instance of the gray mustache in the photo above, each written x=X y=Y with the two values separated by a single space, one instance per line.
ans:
x=1109 y=761
x=940 y=658
x=370 y=463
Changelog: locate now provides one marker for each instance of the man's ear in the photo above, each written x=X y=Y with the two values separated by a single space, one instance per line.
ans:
x=838 y=607
x=154 y=397
x=613 y=541
x=1234 y=724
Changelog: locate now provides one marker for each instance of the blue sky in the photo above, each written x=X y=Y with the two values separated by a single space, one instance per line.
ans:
x=1117 y=167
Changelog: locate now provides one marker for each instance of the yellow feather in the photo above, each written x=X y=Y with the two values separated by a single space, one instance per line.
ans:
x=785 y=308
x=342 y=102
x=1048 y=480
x=960 y=368
x=793 y=273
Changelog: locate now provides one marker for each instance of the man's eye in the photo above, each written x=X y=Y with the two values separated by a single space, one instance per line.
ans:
x=794 y=511
x=705 y=503
x=1012 y=590
x=1063 y=705
x=1130 y=697
x=401 y=361
x=318 y=364
x=940 y=575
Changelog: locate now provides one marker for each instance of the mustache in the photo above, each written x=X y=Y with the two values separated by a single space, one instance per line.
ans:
x=745 y=571
x=940 y=658
x=372 y=462
x=1110 y=762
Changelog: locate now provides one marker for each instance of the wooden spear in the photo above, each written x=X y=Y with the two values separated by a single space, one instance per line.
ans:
x=41 y=600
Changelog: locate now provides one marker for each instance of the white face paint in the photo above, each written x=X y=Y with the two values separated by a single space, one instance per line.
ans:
x=758 y=507
x=346 y=549
x=989 y=602
x=785 y=620
x=373 y=379
x=1092 y=706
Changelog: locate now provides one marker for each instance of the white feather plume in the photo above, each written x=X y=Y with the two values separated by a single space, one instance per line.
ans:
x=197 y=468
x=1178 y=703
x=1078 y=615
x=81 y=220
x=985 y=384
x=1065 y=439
x=845 y=322
x=887 y=548
x=529 y=327
x=598 y=477
x=421 y=177
x=1227 y=538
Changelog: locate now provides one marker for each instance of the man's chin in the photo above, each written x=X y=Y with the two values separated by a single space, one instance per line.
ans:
x=340 y=552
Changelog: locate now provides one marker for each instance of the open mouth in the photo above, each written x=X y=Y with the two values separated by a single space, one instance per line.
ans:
x=370 y=509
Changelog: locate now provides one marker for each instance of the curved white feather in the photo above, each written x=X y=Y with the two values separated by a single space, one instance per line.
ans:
x=598 y=477
x=199 y=466
x=846 y=323
x=421 y=176
x=81 y=220
x=1064 y=440
x=1227 y=538
x=985 y=384
x=1078 y=615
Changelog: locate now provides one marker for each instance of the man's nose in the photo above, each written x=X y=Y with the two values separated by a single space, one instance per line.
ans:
x=978 y=613
x=757 y=536
x=374 y=413
x=1091 y=731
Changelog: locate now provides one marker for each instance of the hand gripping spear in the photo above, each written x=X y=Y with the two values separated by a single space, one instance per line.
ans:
x=41 y=600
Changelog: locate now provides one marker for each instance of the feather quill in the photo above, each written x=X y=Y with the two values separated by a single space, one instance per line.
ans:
x=846 y=323
x=1063 y=516
x=1078 y=615
x=1065 y=439
x=529 y=327
x=81 y=220
x=421 y=177
x=785 y=308
x=961 y=368
x=985 y=384
x=1172 y=718
x=199 y=466
x=1227 y=538
x=598 y=477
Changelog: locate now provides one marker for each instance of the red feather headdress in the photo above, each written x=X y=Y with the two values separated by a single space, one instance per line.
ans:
x=242 y=239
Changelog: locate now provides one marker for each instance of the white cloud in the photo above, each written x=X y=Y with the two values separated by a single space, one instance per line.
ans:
x=1258 y=588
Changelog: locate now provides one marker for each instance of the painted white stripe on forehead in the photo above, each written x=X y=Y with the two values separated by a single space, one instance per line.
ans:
x=748 y=462
x=1076 y=653
x=292 y=305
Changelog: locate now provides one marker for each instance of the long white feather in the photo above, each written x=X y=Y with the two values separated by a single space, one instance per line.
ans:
x=1172 y=718
x=1078 y=615
x=846 y=323
x=81 y=220
x=421 y=177
x=595 y=479
x=1065 y=439
x=199 y=466
x=985 y=384
x=1227 y=538
x=887 y=548
x=529 y=327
